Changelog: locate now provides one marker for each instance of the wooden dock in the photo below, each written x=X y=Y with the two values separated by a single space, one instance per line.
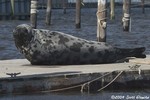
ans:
x=83 y=78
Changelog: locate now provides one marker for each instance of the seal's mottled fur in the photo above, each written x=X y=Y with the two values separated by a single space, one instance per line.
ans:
x=51 y=47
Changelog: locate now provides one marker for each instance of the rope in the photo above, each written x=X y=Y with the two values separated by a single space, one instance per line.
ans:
x=80 y=85
x=111 y=81
x=126 y=17
x=101 y=19
x=134 y=67
x=101 y=11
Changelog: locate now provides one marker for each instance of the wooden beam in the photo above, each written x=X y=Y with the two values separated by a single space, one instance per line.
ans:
x=101 y=20
x=78 y=13
x=48 y=12
x=126 y=15
x=33 y=13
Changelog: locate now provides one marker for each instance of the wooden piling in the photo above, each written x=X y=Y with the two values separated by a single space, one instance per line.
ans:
x=64 y=6
x=101 y=20
x=7 y=5
x=48 y=12
x=12 y=7
x=126 y=15
x=78 y=13
x=143 y=6
x=112 y=9
x=19 y=8
x=0 y=11
x=26 y=10
x=33 y=13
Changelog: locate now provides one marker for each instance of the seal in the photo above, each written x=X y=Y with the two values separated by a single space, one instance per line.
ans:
x=44 y=47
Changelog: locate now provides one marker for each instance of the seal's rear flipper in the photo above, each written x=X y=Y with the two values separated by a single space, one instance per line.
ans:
x=135 y=52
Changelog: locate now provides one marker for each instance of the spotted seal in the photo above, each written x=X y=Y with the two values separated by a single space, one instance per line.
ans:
x=44 y=47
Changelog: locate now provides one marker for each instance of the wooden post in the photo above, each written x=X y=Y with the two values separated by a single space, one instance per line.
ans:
x=1 y=9
x=112 y=9
x=26 y=8
x=13 y=7
x=126 y=15
x=101 y=20
x=64 y=6
x=48 y=12
x=19 y=9
x=33 y=13
x=143 y=8
x=78 y=13
x=7 y=9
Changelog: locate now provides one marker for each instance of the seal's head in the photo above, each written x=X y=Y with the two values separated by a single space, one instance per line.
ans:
x=22 y=35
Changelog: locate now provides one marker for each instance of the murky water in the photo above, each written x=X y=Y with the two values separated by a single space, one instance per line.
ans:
x=81 y=96
x=139 y=36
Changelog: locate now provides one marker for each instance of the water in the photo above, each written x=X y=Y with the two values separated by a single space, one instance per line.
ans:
x=80 y=96
x=139 y=36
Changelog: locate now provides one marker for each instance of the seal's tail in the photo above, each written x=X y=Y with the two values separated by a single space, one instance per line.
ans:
x=134 y=52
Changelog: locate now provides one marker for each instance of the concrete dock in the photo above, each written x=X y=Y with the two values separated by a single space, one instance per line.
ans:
x=19 y=76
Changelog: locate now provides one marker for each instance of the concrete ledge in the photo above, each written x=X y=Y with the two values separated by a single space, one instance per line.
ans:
x=76 y=77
